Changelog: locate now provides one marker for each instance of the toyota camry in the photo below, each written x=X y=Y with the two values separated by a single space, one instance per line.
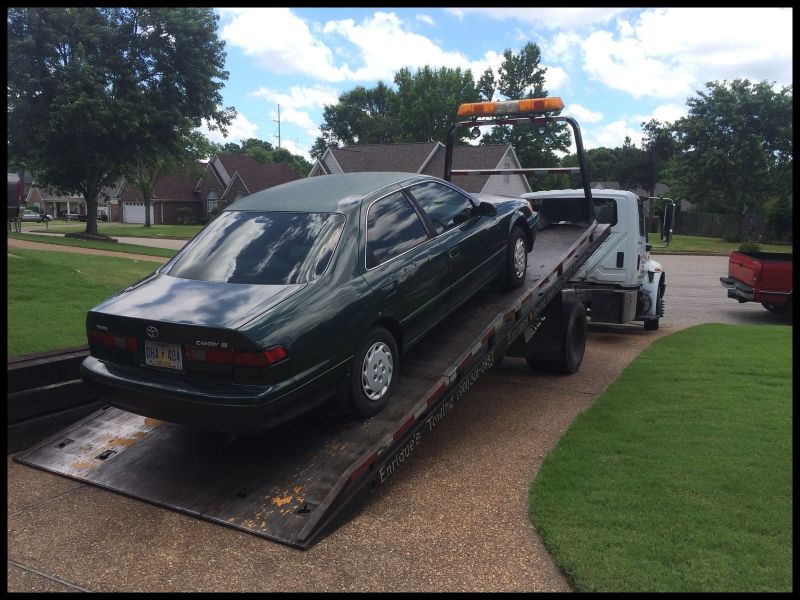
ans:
x=299 y=292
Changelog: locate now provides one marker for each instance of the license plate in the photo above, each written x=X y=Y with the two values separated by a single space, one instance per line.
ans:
x=166 y=356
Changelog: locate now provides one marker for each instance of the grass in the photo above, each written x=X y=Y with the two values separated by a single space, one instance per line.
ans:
x=122 y=229
x=49 y=294
x=706 y=245
x=111 y=246
x=679 y=477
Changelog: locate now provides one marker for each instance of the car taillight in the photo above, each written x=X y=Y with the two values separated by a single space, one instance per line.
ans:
x=265 y=358
x=113 y=341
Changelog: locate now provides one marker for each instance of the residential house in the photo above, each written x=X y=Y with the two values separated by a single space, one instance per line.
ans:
x=428 y=158
x=224 y=179
x=57 y=204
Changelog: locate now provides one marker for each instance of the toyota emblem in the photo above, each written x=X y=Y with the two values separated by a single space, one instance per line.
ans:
x=151 y=331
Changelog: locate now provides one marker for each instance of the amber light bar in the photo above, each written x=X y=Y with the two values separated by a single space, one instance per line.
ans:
x=528 y=105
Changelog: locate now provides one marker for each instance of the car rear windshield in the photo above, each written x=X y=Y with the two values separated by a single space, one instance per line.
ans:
x=269 y=248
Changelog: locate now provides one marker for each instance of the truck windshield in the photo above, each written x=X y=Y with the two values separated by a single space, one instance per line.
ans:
x=270 y=248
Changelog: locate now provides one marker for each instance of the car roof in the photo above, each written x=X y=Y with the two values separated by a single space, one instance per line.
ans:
x=325 y=193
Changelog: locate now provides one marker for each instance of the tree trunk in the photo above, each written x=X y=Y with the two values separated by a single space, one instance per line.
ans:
x=146 y=198
x=91 y=211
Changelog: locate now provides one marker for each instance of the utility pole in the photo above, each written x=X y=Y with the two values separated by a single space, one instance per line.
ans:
x=278 y=120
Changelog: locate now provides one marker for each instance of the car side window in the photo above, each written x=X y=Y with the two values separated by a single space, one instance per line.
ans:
x=393 y=227
x=445 y=207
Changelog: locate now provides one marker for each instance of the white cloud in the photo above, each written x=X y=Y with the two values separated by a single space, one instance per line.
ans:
x=289 y=114
x=299 y=96
x=370 y=50
x=385 y=45
x=556 y=80
x=281 y=41
x=666 y=113
x=672 y=52
x=549 y=17
x=292 y=147
x=240 y=129
x=427 y=19
x=583 y=114
x=563 y=48
x=611 y=135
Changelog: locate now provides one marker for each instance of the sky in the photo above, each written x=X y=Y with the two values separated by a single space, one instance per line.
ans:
x=614 y=68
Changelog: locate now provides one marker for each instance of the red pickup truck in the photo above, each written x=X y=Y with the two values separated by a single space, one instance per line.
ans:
x=764 y=277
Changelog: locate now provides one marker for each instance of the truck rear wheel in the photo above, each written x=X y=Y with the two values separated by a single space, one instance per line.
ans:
x=573 y=333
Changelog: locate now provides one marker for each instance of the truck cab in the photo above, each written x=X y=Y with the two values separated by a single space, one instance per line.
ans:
x=619 y=282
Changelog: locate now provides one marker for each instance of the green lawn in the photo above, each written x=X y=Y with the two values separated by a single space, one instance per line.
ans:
x=121 y=229
x=49 y=294
x=690 y=243
x=112 y=246
x=679 y=477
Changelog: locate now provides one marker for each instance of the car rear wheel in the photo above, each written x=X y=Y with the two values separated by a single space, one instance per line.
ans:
x=374 y=374
x=516 y=258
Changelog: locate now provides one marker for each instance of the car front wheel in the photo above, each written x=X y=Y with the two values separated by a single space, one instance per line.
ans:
x=374 y=374
x=516 y=258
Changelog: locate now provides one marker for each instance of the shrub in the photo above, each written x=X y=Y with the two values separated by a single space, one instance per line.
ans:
x=749 y=247
x=185 y=216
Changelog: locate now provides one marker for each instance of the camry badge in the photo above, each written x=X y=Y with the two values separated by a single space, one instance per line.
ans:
x=151 y=331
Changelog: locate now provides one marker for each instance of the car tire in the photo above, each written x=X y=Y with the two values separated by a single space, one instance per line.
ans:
x=516 y=258
x=374 y=374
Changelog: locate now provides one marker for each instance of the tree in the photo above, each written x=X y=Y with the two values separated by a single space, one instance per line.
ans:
x=360 y=116
x=659 y=144
x=420 y=110
x=190 y=148
x=734 y=148
x=520 y=76
x=425 y=103
x=263 y=152
x=91 y=91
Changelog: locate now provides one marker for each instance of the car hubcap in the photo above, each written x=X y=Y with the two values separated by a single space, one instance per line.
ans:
x=376 y=372
x=519 y=257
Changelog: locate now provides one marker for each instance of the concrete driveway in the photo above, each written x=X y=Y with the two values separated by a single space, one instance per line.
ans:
x=453 y=519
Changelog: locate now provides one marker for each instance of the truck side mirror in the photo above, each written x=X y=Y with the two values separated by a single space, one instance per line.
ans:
x=668 y=222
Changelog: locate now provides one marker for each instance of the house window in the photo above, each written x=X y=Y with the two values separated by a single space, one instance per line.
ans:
x=211 y=202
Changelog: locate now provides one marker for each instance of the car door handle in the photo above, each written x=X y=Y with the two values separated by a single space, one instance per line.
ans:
x=453 y=252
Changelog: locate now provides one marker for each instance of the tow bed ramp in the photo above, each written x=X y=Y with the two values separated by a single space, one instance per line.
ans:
x=296 y=483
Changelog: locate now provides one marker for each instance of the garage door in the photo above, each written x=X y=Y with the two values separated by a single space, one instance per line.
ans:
x=133 y=212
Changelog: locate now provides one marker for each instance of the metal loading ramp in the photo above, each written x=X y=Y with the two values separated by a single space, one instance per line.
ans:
x=295 y=483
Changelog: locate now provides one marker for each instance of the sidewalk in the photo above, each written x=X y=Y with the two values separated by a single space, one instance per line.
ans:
x=139 y=241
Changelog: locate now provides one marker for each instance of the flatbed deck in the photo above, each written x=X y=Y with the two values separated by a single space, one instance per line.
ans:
x=295 y=483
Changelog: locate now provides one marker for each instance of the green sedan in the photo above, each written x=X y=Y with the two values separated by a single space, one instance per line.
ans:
x=299 y=292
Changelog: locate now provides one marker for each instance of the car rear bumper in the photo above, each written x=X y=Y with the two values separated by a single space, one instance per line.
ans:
x=226 y=408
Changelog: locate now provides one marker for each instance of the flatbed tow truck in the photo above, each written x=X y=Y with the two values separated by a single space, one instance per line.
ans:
x=298 y=482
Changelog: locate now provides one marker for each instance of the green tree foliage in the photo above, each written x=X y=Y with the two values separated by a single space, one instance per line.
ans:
x=361 y=115
x=93 y=90
x=659 y=144
x=521 y=76
x=263 y=152
x=423 y=107
x=734 y=148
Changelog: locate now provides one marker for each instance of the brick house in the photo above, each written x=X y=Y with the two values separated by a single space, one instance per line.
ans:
x=224 y=179
x=428 y=158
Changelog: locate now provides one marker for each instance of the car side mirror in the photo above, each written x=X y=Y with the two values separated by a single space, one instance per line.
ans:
x=485 y=209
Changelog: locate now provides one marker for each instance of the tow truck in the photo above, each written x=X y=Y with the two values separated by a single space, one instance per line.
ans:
x=296 y=483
